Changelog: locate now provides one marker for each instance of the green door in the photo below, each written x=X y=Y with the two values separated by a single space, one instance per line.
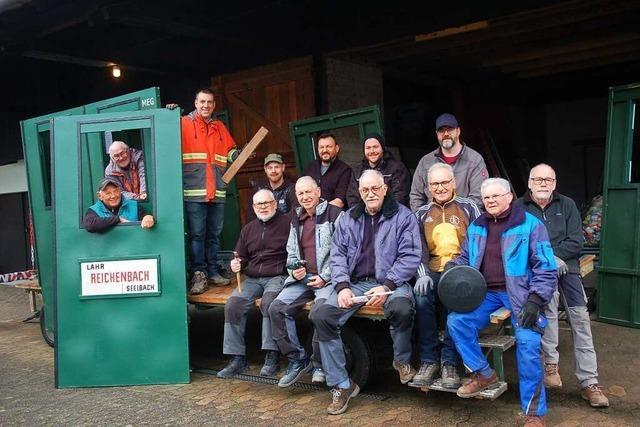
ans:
x=304 y=132
x=619 y=267
x=119 y=295
x=36 y=147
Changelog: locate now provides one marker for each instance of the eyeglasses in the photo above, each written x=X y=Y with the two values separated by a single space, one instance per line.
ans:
x=120 y=155
x=435 y=185
x=445 y=129
x=539 y=180
x=261 y=205
x=375 y=190
x=494 y=197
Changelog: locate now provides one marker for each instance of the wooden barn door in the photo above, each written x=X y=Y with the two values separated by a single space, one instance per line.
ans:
x=269 y=96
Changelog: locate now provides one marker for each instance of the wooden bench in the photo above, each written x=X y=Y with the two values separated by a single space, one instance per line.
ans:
x=32 y=288
x=218 y=296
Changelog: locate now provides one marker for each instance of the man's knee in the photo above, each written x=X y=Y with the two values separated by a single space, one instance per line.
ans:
x=325 y=321
x=399 y=312
x=234 y=309
x=265 y=302
x=277 y=308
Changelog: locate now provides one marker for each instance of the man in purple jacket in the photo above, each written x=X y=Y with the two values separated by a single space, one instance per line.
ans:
x=375 y=250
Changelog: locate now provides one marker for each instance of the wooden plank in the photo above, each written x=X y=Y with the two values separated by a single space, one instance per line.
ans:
x=244 y=155
x=500 y=315
x=474 y=26
x=30 y=285
x=586 y=264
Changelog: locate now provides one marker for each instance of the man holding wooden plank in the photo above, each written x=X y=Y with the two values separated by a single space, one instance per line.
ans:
x=207 y=149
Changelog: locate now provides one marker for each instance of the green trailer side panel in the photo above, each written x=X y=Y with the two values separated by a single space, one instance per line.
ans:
x=120 y=338
x=36 y=147
x=619 y=267
x=304 y=132
x=37 y=153
x=231 y=229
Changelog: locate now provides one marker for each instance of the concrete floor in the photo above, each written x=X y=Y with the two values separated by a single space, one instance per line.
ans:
x=28 y=396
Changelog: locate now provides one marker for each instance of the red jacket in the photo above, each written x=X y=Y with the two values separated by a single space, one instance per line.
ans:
x=206 y=149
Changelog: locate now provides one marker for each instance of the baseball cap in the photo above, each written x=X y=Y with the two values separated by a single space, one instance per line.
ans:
x=446 y=119
x=273 y=157
x=106 y=181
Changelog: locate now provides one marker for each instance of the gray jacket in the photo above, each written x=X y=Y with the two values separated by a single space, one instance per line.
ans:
x=469 y=171
x=326 y=219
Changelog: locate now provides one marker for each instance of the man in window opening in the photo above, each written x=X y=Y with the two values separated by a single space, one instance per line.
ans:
x=468 y=165
x=276 y=181
x=112 y=209
x=562 y=219
x=262 y=256
x=127 y=168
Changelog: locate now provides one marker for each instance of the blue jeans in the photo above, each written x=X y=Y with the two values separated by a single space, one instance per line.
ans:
x=464 y=328
x=428 y=308
x=204 y=225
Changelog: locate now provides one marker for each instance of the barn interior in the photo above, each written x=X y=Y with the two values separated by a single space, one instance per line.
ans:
x=527 y=80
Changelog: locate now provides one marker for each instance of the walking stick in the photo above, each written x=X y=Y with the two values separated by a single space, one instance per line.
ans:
x=238 y=278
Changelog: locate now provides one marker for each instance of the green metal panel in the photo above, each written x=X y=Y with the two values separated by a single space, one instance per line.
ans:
x=231 y=229
x=304 y=132
x=619 y=267
x=36 y=147
x=107 y=336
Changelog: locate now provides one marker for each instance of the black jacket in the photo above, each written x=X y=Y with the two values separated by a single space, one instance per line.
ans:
x=262 y=246
x=396 y=176
x=564 y=225
x=285 y=196
x=335 y=181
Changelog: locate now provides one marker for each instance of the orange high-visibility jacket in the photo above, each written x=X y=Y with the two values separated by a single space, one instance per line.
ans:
x=206 y=149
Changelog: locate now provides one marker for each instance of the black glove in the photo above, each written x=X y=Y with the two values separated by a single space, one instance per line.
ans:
x=529 y=314
x=448 y=266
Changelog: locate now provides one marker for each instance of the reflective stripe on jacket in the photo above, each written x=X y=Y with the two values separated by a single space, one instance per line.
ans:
x=207 y=147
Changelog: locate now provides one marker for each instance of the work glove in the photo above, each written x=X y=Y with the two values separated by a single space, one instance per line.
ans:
x=423 y=284
x=562 y=267
x=448 y=266
x=529 y=314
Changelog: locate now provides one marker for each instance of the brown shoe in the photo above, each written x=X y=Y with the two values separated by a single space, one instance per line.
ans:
x=534 y=421
x=341 y=397
x=476 y=384
x=593 y=393
x=405 y=370
x=552 y=376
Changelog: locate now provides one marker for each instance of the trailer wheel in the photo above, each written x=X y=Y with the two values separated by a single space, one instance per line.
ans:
x=359 y=357
x=47 y=334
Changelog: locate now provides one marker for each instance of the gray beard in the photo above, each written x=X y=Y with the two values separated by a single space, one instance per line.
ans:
x=265 y=218
x=448 y=144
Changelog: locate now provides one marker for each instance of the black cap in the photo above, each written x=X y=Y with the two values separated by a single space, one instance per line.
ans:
x=446 y=119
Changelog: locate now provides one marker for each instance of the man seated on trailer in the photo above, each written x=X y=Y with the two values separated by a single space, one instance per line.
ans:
x=443 y=225
x=262 y=253
x=127 y=168
x=511 y=248
x=112 y=209
x=312 y=227
x=375 y=251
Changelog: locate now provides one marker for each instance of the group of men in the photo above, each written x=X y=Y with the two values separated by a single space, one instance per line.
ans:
x=344 y=238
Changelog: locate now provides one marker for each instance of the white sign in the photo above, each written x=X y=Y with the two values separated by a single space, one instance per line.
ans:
x=133 y=276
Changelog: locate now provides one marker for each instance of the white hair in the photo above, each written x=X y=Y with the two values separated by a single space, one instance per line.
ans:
x=539 y=165
x=506 y=187
x=264 y=191
x=116 y=144
x=436 y=166
x=307 y=180
x=372 y=173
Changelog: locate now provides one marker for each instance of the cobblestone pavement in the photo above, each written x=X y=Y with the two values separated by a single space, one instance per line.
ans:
x=28 y=397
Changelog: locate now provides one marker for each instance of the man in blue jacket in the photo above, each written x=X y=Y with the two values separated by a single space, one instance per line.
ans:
x=511 y=249
x=375 y=250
